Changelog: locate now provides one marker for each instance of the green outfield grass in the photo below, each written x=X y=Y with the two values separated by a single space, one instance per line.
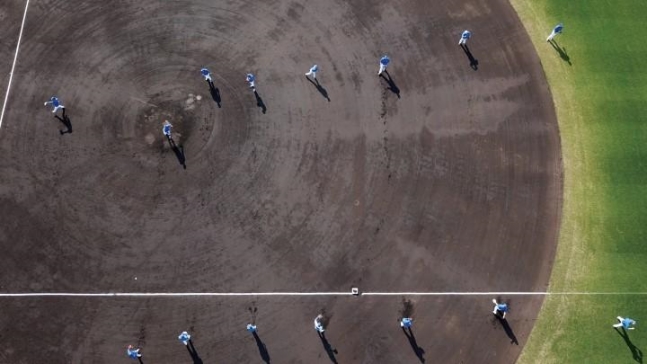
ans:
x=599 y=85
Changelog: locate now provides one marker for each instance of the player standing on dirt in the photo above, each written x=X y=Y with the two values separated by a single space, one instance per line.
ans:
x=56 y=103
x=167 y=129
x=319 y=324
x=500 y=309
x=206 y=74
x=384 y=62
x=313 y=72
x=251 y=79
x=406 y=322
x=184 y=338
x=133 y=352
x=464 y=37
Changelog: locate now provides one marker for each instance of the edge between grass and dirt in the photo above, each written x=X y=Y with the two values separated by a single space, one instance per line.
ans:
x=600 y=94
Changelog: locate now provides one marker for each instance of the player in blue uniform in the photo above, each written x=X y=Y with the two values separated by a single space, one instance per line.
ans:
x=319 y=325
x=167 y=129
x=464 y=37
x=206 y=74
x=133 y=352
x=557 y=30
x=184 y=338
x=406 y=322
x=252 y=81
x=384 y=62
x=500 y=308
x=313 y=72
x=625 y=322
x=56 y=103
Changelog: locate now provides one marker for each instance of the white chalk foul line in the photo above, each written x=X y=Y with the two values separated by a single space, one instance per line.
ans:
x=502 y=293
x=174 y=294
x=15 y=60
x=311 y=294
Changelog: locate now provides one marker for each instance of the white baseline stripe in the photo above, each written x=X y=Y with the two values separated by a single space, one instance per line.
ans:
x=500 y=293
x=174 y=294
x=311 y=294
x=15 y=60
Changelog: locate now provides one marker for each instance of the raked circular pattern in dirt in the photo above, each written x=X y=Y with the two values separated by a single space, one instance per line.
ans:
x=443 y=175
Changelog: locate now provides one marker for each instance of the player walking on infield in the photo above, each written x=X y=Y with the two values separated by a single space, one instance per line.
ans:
x=319 y=327
x=215 y=92
x=500 y=309
x=134 y=353
x=406 y=322
x=557 y=30
x=167 y=129
x=184 y=338
x=56 y=103
x=313 y=72
x=252 y=81
x=464 y=37
x=206 y=74
x=384 y=62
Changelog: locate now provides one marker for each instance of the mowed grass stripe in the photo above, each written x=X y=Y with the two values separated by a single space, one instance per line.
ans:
x=601 y=103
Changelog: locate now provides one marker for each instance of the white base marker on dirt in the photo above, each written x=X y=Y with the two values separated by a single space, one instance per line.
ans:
x=15 y=60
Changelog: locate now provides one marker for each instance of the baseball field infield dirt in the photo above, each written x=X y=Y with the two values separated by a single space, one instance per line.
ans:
x=442 y=175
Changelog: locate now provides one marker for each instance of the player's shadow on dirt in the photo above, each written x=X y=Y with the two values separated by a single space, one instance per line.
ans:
x=508 y=330
x=66 y=121
x=414 y=344
x=561 y=51
x=262 y=349
x=215 y=93
x=194 y=353
x=179 y=152
x=259 y=102
x=635 y=352
x=319 y=88
x=332 y=352
x=474 y=63
x=391 y=84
